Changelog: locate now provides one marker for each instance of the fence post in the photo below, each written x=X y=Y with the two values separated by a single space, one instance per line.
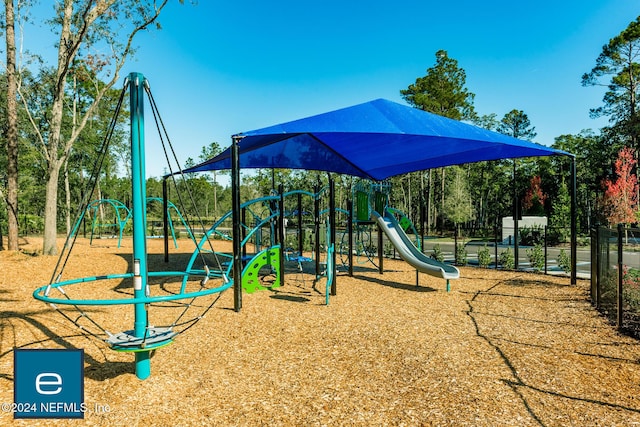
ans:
x=620 y=273
x=545 y=249
x=594 y=266
x=495 y=244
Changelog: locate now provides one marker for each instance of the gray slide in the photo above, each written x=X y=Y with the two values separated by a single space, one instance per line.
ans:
x=410 y=253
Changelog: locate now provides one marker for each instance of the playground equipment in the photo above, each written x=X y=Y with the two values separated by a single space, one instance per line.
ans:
x=358 y=241
x=410 y=253
x=263 y=241
x=171 y=295
x=122 y=215
x=371 y=211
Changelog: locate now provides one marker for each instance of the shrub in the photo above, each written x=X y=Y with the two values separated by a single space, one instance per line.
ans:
x=536 y=257
x=437 y=253
x=532 y=236
x=484 y=257
x=461 y=254
x=563 y=261
x=31 y=224
x=557 y=235
x=388 y=249
x=507 y=259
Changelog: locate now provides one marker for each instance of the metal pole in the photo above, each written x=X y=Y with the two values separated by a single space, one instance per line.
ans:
x=380 y=250
x=332 y=224
x=620 y=272
x=495 y=244
x=574 y=222
x=165 y=218
x=516 y=255
x=422 y=220
x=546 y=254
x=316 y=227
x=237 y=239
x=243 y=231
x=350 y=236
x=598 y=229
x=139 y=197
x=281 y=232
x=300 y=232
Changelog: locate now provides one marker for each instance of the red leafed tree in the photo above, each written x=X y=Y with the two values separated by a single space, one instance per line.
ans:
x=533 y=202
x=620 y=196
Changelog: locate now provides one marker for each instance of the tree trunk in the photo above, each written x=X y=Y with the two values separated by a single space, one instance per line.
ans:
x=12 y=130
x=49 y=246
x=215 y=195
x=67 y=197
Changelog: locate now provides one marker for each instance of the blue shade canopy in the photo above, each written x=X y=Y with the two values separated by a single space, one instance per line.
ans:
x=374 y=140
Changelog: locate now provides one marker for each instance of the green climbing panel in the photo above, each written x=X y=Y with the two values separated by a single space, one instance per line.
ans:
x=380 y=202
x=362 y=206
x=253 y=279
x=405 y=223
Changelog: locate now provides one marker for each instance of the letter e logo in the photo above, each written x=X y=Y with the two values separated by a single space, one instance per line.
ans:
x=48 y=383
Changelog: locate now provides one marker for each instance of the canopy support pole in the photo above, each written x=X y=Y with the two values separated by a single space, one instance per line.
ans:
x=332 y=225
x=350 y=236
x=316 y=229
x=574 y=222
x=237 y=237
x=516 y=254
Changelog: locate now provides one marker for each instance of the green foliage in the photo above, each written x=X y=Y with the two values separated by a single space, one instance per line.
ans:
x=291 y=242
x=437 y=253
x=507 y=259
x=388 y=248
x=516 y=123
x=442 y=90
x=594 y=154
x=536 y=257
x=631 y=287
x=457 y=205
x=631 y=296
x=560 y=218
x=532 y=236
x=618 y=70
x=484 y=257
x=561 y=208
x=563 y=261
x=31 y=224
x=461 y=254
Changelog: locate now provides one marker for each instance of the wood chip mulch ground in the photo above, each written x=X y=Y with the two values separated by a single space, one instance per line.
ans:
x=499 y=349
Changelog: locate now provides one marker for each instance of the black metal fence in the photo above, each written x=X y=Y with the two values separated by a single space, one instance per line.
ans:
x=615 y=276
x=543 y=249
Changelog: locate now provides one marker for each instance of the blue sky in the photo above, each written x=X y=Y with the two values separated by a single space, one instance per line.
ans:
x=218 y=68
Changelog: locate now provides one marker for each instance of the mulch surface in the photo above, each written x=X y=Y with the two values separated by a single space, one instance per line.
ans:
x=499 y=349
